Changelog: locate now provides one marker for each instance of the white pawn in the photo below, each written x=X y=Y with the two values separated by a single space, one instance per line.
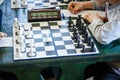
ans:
x=47 y=39
x=29 y=34
x=24 y=3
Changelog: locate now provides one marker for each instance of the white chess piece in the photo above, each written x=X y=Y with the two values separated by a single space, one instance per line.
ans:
x=32 y=52
x=47 y=39
x=29 y=34
x=24 y=3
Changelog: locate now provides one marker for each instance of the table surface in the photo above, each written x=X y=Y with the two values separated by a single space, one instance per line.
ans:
x=107 y=52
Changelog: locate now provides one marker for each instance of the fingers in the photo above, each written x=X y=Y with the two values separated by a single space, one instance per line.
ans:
x=71 y=6
x=2 y=35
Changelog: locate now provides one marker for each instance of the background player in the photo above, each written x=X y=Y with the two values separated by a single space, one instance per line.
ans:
x=104 y=33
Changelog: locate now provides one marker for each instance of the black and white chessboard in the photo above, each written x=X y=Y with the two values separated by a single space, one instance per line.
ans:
x=51 y=39
x=35 y=3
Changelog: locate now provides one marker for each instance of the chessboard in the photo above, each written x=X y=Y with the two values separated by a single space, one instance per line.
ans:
x=68 y=37
x=36 y=3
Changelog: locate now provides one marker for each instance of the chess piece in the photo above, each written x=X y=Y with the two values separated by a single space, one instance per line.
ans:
x=47 y=39
x=24 y=3
x=89 y=41
x=92 y=49
x=29 y=35
x=78 y=45
x=76 y=39
x=32 y=52
x=83 y=49
x=70 y=20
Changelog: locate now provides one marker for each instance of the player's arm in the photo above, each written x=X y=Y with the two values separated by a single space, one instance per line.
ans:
x=2 y=35
x=104 y=33
x=76 y=7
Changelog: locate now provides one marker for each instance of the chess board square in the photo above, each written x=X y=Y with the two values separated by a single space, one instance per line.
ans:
x=29 y=41
x=42 y=24
x=64 y=30
x=71 y=51
x=37 y=36
x=57 y=35
x=40 y=49
x=59 y=43
x=45 y=0
x=68 y=42
x=36 y=32
x=62 y=26
x=66 y=38
x=44 y=32
x=50 y=53
x=49 y=48
x=60 y=47
x=35 y=24
x=54 y=27
x=58 y=38
x=69 y=46
x=65 y=34
x=36 y=28
x=55 y=31
x=62 y=52
x=41 y=54
x=53 y=23
x=38 y=40
x=40 y=44
x=30 y=1
x=61 y=23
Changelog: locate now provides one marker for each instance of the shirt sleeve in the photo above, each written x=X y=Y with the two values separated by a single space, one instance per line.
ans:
x=105 y=33
x=97 y=7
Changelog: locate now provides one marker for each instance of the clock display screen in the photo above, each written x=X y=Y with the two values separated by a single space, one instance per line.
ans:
x=44 y=14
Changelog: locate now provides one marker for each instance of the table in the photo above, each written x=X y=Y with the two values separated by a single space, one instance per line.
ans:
x=107 y=52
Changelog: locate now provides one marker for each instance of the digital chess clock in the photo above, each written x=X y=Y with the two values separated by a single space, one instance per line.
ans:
x=44 y=15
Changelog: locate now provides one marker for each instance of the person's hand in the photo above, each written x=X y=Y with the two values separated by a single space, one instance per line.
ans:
x=2 y=35
x=75 y=7
x=92 y=17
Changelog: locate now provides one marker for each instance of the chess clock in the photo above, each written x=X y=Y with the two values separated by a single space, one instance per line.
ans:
x=44 y=15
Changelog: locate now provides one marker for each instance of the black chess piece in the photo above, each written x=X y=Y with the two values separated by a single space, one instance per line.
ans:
x=69 y=25
x=70 y=20
x=72 y=29
x=75 y=36
x=89 y=41
x=78 y=45
x=76 y=39
x=83 y=49
x=75 y=31
x=85 y=36
x=92 y=49
x=81 y=29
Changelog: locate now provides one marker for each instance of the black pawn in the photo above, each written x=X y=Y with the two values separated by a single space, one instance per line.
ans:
x=76 y=39
x=83 y=49
x=92 y=49
x=89 y=41
x=70 y=19
x=78 y=45
x=69 y=25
